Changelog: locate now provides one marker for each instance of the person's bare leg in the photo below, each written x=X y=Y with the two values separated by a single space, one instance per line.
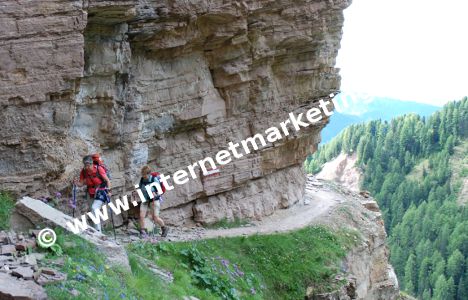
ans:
x=141 y=219
x=156 y=218
x=155 y=214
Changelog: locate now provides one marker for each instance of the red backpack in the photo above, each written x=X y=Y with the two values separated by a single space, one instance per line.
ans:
x=97 y=160
x=157 y=175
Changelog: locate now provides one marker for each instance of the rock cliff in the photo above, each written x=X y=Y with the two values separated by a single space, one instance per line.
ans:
x=367 y=268
x=164 y=83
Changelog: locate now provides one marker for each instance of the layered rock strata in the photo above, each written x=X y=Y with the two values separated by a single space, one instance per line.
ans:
x=164 y=83
x=367 y=263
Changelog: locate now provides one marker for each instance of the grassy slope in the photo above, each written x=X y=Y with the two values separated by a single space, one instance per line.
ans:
x=257 y=267
x=417 y=172
x=459 y=166
x=279 y=266
x=6 y=205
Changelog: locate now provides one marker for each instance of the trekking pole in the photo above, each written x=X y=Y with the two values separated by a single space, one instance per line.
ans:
x=74 y=199
x=111 y=213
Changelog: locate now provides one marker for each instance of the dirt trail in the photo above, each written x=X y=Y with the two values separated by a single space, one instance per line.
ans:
x=318 y=202
x=319 y=199
x=295 y=217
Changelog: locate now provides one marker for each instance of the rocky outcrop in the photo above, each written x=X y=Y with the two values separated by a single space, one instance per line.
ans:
x=22 y=272
x=13 y=288
x=367 y=263
x=39 y=214
x=164 y=83
x=343 y=170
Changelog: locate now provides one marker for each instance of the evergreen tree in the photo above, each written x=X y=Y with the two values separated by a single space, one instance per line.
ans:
x=410 y=272
x=442 y=289
x=456 y=265
x=428 y=231
x=462 y=292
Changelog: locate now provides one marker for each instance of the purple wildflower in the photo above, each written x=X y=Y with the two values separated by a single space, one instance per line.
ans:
x=253 y=291
x=238 y=271
x=80 y=277
x=58 y=195
x=123 y=296
x=225 y=262
x=71 y=204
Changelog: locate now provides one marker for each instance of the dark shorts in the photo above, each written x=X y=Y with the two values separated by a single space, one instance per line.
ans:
x=101 y=195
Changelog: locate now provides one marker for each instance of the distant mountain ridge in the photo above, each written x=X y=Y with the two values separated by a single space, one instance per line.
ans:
x=356 y=109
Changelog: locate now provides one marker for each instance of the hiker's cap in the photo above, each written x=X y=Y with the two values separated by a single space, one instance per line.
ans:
x=87 y=160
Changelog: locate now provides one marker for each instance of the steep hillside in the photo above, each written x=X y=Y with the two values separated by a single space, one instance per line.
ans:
x=342 y=170
x=331 y=247
x=416 y=169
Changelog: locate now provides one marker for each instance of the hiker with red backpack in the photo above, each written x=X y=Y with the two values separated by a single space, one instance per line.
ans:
x=94 y=176
x=154 y=204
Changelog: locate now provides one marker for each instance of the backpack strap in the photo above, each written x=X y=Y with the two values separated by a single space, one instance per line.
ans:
x=98 y=175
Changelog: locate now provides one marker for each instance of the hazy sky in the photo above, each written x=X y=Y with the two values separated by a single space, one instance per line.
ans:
x=406 y=49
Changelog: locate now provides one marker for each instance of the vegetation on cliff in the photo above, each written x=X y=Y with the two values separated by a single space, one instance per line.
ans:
x=6 y=205
x=279 y=266
x=415 y=168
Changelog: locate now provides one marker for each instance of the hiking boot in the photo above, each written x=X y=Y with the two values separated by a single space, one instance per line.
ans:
x=165 y=231
x=143 y=234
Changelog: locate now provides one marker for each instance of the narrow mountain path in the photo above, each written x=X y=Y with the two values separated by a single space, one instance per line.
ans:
x=298 y=216
x=319 y=199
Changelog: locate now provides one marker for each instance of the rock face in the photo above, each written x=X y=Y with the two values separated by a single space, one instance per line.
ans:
x=342 y=170
x=19 y=270
x=12 y=288
x=164 y=83
x=367 y=263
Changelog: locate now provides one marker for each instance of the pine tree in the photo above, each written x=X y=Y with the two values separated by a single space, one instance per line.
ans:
x=410 y=272
x=462 y=292
x=442 y=289
x=451 y=292
x=426 y=295
x=455 y=265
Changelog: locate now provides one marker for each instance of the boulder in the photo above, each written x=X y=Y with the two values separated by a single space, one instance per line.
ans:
x=371 y=205
x=3 y=237
x=7 y=250
x=13 y=288
x=162 y=274
x=28 y=260
x=25 y=244
x=48 y=276
x=23 y=272
x=41 y=214
x=365 y=194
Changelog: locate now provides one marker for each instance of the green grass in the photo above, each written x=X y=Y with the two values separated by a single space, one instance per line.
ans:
x=279 y=266
x=282 y=265
x=459 y=168
x=417 y=172
x=88 y=272
x=225 y=223
x=6 y=205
